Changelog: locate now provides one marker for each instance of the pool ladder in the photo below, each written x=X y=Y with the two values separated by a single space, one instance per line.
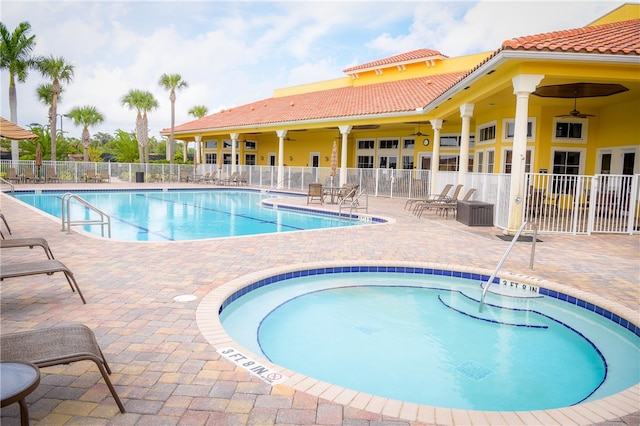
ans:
x=105 y=219
x=506 y=253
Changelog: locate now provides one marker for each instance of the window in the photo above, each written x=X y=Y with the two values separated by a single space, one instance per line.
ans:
x=407 y=162
x=250 y=159
x=487 y=133
x=491 y=160
x=448 y=163
x=388 y=162
x=226 y=158
x=509 y=126
x=366 y=144
x=388 y=143
x=226 y=144
x=448 y=141
x=365 y=161
x=565 y=163
x=408 y=143
x=212 y=144
x=570 y=130
x=211 y=158
x=250 y=145
x=508 y=160
x=480 y=161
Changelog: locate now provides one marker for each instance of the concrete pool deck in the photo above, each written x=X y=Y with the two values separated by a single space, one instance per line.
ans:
x=164 y=368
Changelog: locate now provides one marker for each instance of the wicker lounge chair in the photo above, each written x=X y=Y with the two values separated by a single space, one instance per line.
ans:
x=23 y=269
x=315 y=193
x=55 y=346
x=27 y=242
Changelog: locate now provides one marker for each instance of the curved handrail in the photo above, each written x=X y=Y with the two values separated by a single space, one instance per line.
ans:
x=506 y=253
x=3 y=180
x=66 y=211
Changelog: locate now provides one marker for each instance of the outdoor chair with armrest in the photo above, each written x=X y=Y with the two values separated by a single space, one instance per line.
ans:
x=12 y=176
x=315 y=193
x=56 y=346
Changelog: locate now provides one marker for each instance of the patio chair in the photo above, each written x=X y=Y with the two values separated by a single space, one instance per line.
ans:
x=231 y=179
x=27 y=242
x=51 y=175
x=57 y=346
x=12 y=176
x=315 y=193
x=453 y=205
x=104 y=176
x=412 y=201
x=347 y=192
x=4 y=219
x=211 y=177
x=242 y=178
x=92 y=176
x=421 y=207
x=185 y=177
x=29 y=176
x=23 y=269
x=203 y=178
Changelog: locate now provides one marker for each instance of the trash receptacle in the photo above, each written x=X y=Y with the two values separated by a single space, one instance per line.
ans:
x=140 y=177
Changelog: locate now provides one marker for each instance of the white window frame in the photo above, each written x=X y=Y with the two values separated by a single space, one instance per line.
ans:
x=213 y=142
x=583 y=137
x=490 y=154
x=503 y=166
x=583 y=157
x=484 y=126
x=507 y=121
x=250 y=145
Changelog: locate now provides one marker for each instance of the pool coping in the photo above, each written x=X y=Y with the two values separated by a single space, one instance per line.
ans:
x=608 y=408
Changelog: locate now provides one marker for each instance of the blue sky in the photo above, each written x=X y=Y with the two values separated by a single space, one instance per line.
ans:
x=236 y=52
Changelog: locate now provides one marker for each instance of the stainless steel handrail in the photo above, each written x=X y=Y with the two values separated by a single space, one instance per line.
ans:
x=506 y=253
x=3 y=180
x=66 y=211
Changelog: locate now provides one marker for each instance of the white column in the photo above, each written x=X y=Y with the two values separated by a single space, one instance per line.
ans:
x=466 y=112
x=281 y=135
x=435 y=159
x=198 y=154
x=344 y=131
x=523 y=86
x=234 y=142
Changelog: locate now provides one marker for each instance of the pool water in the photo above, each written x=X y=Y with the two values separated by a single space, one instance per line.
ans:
x=422 y=339
x=185 y=215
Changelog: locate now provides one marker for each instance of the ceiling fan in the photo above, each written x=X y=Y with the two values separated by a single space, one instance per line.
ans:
x=418 y=133
x=288 y=139
x=575 y=112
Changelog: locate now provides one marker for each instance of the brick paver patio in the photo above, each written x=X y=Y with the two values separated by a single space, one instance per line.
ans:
x=167 y=373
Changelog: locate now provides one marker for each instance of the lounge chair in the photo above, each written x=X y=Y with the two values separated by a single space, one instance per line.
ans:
x=23 y=269
x=92 y=176
x=12 y=176
x=453 y=205
x=4 y=219
x=443 y=193
x=185 y=177
x=27 y=242
x=51 y=175
x=56 y=346
x=315 y=193
x=231 y=179
x=202 y=178
x=30 y=177
x=426 y=205
x=211 y=177
x=242 y=178
x=104 y=176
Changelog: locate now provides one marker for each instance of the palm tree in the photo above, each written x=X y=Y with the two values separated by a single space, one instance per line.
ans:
x=172 y=82
x=15 y=56
x=44 y=93
x=85 y=116
x=197 y=111
x=142 y=102
x=57 y=69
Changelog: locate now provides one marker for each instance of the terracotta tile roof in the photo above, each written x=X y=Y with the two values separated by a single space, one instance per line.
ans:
x=615 y=38
x=389 y=97
x=413 y=56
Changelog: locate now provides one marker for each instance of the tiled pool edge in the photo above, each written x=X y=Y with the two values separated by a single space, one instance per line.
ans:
x=608 y=408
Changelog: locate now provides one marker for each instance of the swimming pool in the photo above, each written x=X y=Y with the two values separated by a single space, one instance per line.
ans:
x=609 y=346
x=178 y=215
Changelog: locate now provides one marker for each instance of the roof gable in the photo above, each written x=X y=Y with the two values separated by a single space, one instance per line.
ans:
x=419 y=55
